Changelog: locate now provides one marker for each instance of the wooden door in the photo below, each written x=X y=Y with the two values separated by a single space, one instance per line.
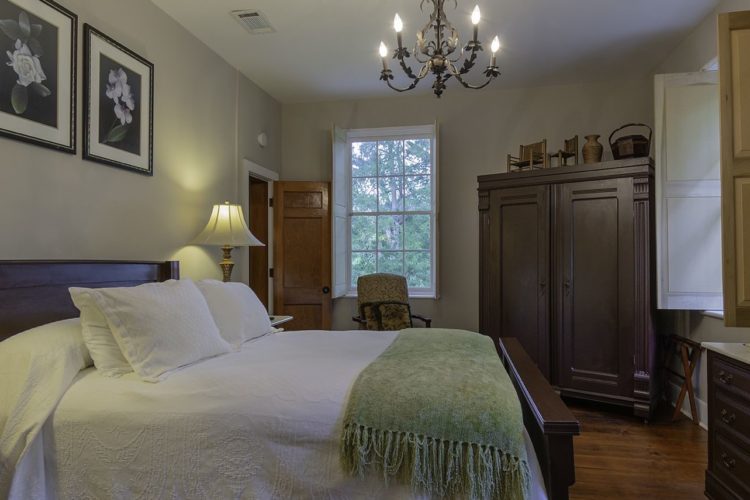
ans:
x=518 y=270
x=302 y=254
x=259 y=227
x=734 y=83
x=595 y=244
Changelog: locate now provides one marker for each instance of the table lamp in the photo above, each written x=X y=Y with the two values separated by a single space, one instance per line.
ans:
x=227 y=229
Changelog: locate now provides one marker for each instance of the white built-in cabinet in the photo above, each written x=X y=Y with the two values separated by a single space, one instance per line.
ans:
x=688 y=191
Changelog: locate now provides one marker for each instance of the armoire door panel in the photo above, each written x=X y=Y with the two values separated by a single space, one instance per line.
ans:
x=520 y=241
x=596 y=274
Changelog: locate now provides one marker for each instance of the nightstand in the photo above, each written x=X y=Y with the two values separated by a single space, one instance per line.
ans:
x=279 y=320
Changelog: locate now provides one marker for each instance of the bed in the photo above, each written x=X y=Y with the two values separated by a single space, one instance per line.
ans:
x=176 y=437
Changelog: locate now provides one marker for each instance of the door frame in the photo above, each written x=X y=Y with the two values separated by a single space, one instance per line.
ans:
x=248 y=169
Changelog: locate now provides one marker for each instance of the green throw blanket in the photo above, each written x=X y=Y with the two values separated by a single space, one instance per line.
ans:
x=438 y=411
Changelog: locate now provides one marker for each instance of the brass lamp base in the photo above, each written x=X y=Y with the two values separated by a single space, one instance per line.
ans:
x=226 y=263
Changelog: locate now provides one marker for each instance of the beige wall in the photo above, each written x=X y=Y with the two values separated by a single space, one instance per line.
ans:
x=57 y=206
x=699 y=47
x=477 y=130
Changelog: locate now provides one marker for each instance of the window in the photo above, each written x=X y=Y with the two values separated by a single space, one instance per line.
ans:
x=391 y=181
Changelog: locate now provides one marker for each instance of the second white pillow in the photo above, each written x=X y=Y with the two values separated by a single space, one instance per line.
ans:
x=238 y=312
x=160 y=326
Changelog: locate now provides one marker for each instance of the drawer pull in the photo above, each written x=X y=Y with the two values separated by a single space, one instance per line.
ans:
x=727 y=418
x=725 y=378
x=728 y=462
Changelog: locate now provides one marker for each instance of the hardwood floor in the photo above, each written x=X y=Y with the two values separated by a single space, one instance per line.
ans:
x=618 y=456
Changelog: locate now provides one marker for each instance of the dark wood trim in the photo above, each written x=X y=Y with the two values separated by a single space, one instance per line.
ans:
x=550 y=424
x=33 y=293
x=258 y=257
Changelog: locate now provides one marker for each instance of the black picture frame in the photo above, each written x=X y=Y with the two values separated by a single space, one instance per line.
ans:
x=118 y=84
x=37 y=88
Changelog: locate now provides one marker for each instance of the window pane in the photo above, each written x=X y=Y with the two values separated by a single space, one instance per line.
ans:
x=363 y=232
x=390 y=158
x=391 y=197
x=362 y=263
x=364 y=195
x=364 y=159
x=417 y=156
x=418 y=272
x=390 y=232
x=417 y=232
x=418 y=192
x=391 y=262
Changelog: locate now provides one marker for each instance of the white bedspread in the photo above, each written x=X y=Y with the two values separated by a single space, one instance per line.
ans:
x=261 y=423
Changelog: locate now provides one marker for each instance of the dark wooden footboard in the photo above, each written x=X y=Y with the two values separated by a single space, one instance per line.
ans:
x=548 y=421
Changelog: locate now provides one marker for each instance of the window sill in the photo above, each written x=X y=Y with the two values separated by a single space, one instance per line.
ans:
x=714 y=314
x=429 y=296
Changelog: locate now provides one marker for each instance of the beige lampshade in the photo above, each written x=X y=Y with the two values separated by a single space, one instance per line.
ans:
x=227 y=227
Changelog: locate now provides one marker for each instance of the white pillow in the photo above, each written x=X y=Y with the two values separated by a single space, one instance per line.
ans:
x=238 y=312
x=36 y=368
x=104 y=350
x=160 y=326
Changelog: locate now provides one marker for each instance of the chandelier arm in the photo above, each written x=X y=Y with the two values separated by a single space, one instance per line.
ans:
x=458 y=57
x=416 y=56
x=405 y=89
x=456 y=73
x=469 y=63
x=407 y=69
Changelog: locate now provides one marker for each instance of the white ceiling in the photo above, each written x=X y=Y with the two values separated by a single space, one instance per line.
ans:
x=327 y=49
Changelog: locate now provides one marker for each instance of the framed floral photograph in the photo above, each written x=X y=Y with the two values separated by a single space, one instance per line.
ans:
x=118 y=111
x=38 y=77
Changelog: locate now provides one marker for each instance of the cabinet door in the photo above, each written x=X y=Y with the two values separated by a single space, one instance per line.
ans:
x=519 y=266
x=596 y=283
x=734 y=82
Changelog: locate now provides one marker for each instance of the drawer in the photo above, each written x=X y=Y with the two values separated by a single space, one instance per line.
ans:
x=730 y=376
x=731 y=465
x=729 y=412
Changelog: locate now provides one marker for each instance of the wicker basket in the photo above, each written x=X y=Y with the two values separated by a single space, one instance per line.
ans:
x=631 y=146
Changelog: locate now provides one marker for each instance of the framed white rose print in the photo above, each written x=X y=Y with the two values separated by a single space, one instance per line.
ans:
x=118 y=113
x=38 y=73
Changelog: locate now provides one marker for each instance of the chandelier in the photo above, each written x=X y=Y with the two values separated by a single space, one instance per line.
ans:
x=434 y=50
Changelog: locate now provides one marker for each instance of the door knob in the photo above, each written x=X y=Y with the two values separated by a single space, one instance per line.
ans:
x=326 y=289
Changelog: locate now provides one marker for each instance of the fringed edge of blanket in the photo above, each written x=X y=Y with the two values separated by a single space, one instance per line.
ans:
x=439 y=468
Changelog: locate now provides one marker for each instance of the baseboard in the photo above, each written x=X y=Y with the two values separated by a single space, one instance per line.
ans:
x=702 y=405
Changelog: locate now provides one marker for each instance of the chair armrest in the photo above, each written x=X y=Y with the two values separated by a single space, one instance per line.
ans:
x=361 y=322
x=427 y=321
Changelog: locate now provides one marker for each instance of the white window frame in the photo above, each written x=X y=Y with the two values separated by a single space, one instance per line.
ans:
x=395 y=133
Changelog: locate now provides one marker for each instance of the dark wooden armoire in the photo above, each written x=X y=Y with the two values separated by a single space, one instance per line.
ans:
x=567 y=261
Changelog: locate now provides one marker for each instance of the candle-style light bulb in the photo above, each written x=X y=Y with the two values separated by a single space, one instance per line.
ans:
x=494 y=47
x=383 y=54
x=475 y=15
x=383 y=50
x=398 y=25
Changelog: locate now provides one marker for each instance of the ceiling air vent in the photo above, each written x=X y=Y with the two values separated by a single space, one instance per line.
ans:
x=254 y=21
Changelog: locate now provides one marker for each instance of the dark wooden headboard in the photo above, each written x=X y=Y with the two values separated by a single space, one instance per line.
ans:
x=35 y=292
